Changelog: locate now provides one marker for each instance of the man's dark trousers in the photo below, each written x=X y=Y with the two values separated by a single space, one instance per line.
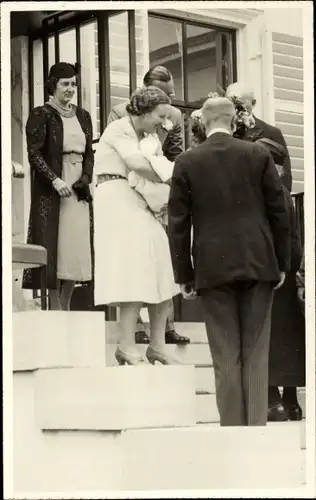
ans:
x=237 y=318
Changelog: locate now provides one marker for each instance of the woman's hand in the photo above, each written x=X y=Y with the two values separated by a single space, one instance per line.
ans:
x=164 y=211
x=62 y=188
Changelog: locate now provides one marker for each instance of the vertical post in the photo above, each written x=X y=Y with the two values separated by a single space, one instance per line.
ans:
x=78 y=60
x=184 y=56
x=31 y=74
x=45 y=65
x=56 y=41
x=185 y=80
x=132 y=51
x=219 y=62
x=104 y=68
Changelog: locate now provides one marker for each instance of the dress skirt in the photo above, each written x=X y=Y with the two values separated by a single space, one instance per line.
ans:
x=74 y=248
x=132 y=256
x=287 y=343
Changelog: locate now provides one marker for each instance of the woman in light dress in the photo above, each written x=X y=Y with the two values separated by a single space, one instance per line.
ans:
x=59 y=143
x=132 y=256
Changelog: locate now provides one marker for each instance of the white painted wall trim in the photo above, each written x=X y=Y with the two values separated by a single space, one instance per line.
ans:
x=267 y=73
x=229 y=18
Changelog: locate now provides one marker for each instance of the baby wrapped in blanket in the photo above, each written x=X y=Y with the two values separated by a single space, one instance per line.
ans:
x=156 y=194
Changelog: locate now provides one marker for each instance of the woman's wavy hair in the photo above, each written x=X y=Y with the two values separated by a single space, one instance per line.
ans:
x=55 y=76
x=145 y=99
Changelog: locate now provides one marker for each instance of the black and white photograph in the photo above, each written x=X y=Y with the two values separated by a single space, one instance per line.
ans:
x=158 y=215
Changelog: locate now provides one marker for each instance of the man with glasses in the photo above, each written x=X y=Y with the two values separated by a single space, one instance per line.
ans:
x=172 y=145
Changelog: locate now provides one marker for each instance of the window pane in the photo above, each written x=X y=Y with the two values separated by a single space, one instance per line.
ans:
x=119 y=58
x=165 y=48
x=51 y=51
x=89 y=74
x=67 y=51
x=201 y=62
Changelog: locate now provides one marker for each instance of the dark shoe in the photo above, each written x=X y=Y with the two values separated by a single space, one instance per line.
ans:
x=142 y=338
x=294 y=411
x=277 y=414
x=173 y=338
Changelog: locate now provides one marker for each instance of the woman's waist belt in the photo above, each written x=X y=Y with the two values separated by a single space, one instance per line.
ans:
x=73 y=157
x=109 y=177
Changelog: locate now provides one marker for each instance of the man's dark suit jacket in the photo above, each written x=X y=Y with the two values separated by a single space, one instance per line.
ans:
x=263 y=129
x=231 y=192
x=172 y=142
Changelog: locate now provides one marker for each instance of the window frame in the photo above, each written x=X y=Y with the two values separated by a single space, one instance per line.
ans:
x=185 y=105
x=62 y=21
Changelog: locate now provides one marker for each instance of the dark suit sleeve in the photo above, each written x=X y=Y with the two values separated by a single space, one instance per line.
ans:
x=296 y=247
x=88 y=161
x=277 y=212
x=287 y=178
x=173 y=145
x=179 y=223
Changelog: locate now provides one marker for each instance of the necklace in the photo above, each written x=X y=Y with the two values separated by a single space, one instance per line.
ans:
x=65 y=112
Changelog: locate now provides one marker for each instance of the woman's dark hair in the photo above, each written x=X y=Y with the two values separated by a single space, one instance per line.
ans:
x=155 y=73
x=58 y=71
x=146 y=99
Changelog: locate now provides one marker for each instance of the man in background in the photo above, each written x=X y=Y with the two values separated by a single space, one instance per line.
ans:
x=260 y=128
x=172 y=145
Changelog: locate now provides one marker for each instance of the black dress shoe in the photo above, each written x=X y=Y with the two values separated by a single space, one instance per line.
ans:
x=294 y=411
x=142 y=338
x=173 y=338
x=277 y=414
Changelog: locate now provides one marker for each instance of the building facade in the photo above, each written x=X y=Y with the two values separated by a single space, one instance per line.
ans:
x=205 y=49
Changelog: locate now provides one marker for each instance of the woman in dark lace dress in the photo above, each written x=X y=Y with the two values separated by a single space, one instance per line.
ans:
x=59 y=144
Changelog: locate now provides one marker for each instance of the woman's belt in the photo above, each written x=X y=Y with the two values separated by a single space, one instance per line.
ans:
x=73 y=157
x=109 y=177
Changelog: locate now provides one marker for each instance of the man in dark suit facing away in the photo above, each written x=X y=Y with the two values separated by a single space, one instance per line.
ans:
x=230 y=192
x=261 y=128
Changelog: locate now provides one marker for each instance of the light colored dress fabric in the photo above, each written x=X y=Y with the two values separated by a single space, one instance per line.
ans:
x=132 y=256
x=74 y=249
x=156 y=194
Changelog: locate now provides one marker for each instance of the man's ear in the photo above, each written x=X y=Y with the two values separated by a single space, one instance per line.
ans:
x=254 y=102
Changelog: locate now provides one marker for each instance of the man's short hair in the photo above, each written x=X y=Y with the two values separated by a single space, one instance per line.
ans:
x=218 y=108
x=157 y=73
x=240 y=89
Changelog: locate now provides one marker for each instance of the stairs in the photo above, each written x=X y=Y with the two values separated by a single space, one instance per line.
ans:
x=198 y=354
x=83 y=424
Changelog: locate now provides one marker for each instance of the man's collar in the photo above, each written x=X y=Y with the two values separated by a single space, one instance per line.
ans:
x=218 y=130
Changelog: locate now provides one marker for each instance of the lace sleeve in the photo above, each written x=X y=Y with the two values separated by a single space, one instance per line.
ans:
x=36 y=129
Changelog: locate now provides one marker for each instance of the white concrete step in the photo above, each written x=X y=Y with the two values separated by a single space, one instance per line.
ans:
x=206 y=409
x=115 y=398
x=47 y=339
x=213 y=458
x=205 y=380
x=189 y=458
